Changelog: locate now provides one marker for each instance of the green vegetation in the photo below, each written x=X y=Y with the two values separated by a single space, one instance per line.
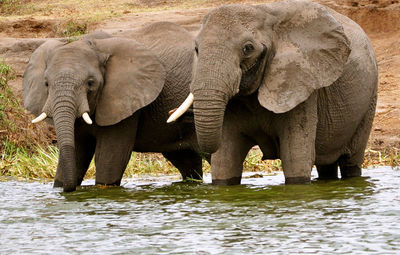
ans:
x=254 y=163
x=39 y=164
x=74 y=29
x=9 y=105
x=6 y=74
x=387 y=157
x=19 y=140
x=42 y=163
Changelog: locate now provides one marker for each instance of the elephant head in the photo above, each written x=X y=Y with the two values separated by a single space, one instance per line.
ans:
x=108 y=79
x=282 y=51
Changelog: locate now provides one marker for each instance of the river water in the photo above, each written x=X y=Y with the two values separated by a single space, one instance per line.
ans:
x=161 y=216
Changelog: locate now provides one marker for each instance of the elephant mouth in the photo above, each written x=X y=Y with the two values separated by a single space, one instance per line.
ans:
x=253 y=74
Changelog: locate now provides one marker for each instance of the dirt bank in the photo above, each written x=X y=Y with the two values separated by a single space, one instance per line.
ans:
x=380 y=19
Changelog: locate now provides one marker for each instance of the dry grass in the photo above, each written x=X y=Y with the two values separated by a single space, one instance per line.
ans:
x=42 y=163
x=95 y=10
x=15 y=127
x=386 y=157
x=20 y=139
x=73 y=17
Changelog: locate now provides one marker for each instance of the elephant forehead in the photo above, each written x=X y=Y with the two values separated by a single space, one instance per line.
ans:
x=71 y=52
x=68 y=68
x=72 y=58
x=68 y=74
x=230 y=17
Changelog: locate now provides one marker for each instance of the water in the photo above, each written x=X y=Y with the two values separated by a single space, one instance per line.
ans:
x=263 y=216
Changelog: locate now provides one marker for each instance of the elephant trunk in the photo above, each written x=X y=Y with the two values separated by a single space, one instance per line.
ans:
x=64 y=114
x=216 y=80
x=208 y=116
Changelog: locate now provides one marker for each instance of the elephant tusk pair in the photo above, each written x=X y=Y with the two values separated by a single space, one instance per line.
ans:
x=181 y=109
x=43 y=116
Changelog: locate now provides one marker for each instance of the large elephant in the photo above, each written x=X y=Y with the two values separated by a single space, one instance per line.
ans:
x=125 y=88
x=294 y=77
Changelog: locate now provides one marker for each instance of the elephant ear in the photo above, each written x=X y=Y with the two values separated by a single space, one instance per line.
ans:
x=34 y=90
x=134 y=77
x=311 y=50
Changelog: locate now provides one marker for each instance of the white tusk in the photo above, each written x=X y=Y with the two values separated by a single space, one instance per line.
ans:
x=182 y=109
x=39 y=118
x=86 y=118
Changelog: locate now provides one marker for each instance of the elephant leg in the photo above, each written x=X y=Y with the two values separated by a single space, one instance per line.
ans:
x=297 y=141
x=328 y=172
x=84 y=154
x=227 y=161
x=350 y=163
x=113 y=150
x=188 y=162
x=58 y=180
x=84 y=147
x=348 y=171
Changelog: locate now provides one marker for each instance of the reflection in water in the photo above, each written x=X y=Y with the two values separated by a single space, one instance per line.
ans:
x=261 y=216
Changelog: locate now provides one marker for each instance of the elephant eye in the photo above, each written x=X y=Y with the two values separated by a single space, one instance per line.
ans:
x=46 y=84
x=90 y=83
x=247 y=49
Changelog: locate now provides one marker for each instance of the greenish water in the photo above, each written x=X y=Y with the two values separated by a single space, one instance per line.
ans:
x=262 y=216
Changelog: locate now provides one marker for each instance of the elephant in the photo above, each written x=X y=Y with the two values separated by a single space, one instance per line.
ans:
x=293 y=77
x=109 y=95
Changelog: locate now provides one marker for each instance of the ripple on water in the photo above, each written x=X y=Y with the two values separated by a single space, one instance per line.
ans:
x=261 y=216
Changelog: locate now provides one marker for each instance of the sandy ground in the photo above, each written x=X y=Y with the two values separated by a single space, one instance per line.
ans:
x=380 y=20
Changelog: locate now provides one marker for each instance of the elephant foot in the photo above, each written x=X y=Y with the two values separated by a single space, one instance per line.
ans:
x=59 y=184
x=117 y=183
x=188 y=162
x=328 y=172
x=350 y=171
x=226 y=182
x=298 y=180
x=69 y=188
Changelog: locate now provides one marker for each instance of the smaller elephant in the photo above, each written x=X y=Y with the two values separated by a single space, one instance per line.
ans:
x=110 y=95
x=294 y=77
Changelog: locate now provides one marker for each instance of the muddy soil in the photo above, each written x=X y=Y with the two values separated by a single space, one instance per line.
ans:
x=380 y=19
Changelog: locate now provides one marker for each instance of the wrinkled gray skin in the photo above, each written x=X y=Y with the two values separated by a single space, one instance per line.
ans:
x=295 y=78
x=127 y=87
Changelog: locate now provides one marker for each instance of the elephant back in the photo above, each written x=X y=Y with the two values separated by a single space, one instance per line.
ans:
x=174 y=46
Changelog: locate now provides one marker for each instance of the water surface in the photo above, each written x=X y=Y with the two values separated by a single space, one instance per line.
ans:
x=262 y=216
